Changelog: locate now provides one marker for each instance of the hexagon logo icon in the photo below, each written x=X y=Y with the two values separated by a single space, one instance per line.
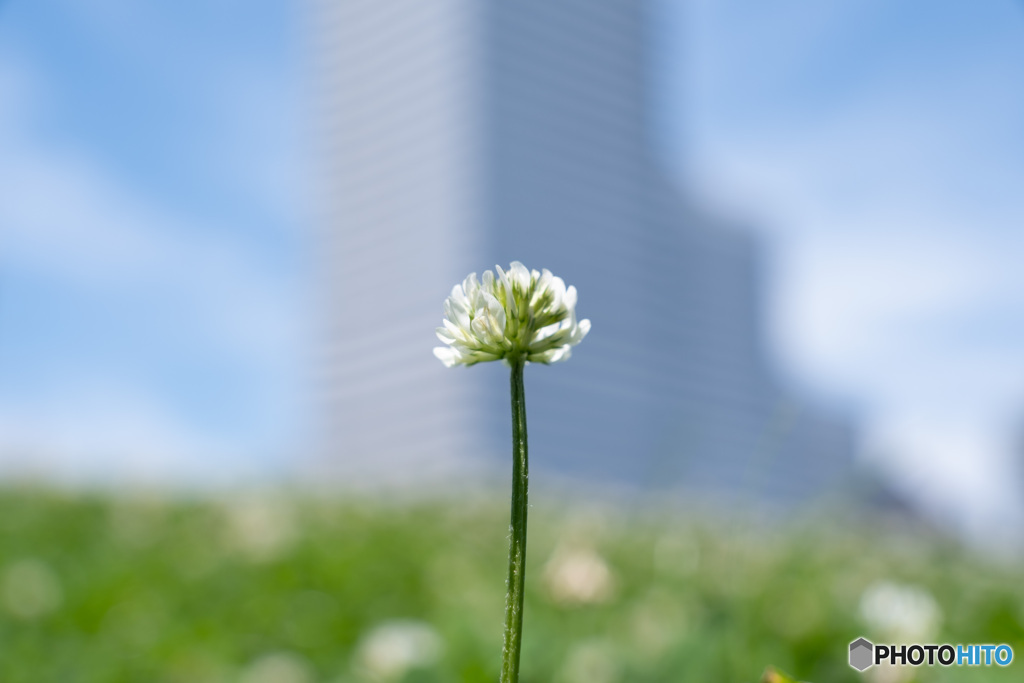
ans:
x=861 y=654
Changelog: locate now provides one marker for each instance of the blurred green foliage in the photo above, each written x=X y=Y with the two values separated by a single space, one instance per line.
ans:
x=270 y=587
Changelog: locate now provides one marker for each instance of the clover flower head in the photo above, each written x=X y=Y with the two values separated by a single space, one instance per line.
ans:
x=518 y=314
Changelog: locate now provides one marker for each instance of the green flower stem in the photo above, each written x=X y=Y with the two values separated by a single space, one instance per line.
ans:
x=517 y=540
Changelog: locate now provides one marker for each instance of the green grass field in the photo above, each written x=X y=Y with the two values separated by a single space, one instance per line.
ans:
x=281 y=588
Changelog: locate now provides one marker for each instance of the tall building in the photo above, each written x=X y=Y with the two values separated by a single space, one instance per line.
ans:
x=461 y=134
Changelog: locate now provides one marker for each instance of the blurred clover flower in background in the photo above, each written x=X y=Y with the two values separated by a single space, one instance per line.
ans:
x=30 y=589
x=578 y=576
x=901 y=611
x=395 y=647
x=520 y=314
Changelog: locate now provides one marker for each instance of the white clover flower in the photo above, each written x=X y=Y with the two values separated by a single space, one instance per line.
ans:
x=578 y=576
x=394 y=647
x=520 y=314
x=901 y=610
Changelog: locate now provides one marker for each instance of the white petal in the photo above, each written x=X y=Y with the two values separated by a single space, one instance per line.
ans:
x=543 y=282
x=570 y=298
x=520 y=276
x=456 y=312
x=480 y=329
x=492 y=327
x=495 y=308
x=446 y=355
x=471 y=286
x=545 y=332
x=557 y=288
x=510 y=300
x=540 y=356
x=458 y=296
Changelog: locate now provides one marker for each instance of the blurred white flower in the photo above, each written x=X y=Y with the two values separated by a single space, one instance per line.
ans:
x=394 y=647
x=31 y=589
x=902 y=611
x=518 y=314
x=578 y=576
x=591 y=661
x=261 y=527
x=278 y=667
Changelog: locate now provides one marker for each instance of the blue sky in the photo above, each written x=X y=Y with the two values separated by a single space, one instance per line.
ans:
x=154 y=229
x=152 y=237
x=879 y=147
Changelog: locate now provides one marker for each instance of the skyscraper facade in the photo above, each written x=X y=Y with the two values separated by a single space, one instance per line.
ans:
x=461 y=134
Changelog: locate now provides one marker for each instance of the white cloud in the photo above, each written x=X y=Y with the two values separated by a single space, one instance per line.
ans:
x=893 y=206
x=848 y=297
x=68 y=220
x=68 y=217
x=110 y=434
x=178 y=285
x=955 y=467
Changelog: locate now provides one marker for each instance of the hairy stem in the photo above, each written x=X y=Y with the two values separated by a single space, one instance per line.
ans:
x=517 y=537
